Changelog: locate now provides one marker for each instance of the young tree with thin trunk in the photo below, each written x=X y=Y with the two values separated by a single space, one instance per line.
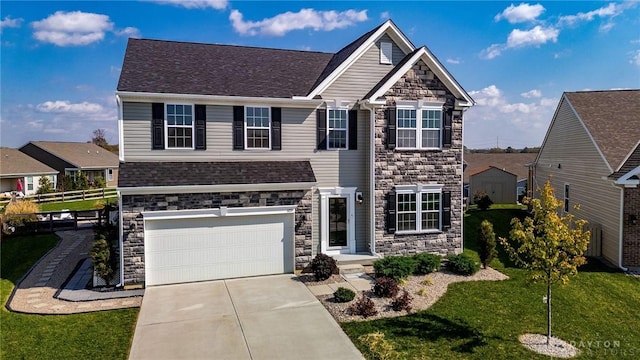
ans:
x=550 y=244
x=487 y=240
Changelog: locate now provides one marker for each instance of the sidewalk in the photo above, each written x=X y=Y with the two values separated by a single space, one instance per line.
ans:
x=41 y=292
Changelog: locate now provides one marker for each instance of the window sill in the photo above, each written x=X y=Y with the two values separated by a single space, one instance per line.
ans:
x=419 y=232
x=419 y=149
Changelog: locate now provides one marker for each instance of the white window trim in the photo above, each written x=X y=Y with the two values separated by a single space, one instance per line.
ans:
x=386 y=52
x=27 y=183
x=325 y=194
x=109 y=174
x=418 y=107
x=193 y=127
x=346 y=129
x=246 y=142
x=420 y=189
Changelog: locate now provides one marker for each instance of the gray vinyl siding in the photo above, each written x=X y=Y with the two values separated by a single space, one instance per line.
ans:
x=583 y=168
x=364 y=74
x=344 y=168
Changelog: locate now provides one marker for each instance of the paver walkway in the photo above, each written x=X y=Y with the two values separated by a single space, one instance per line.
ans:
x=39 y=290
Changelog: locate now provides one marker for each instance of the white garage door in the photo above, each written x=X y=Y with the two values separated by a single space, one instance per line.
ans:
x=198 y=249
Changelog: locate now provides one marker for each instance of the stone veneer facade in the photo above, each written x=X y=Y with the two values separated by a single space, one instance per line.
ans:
x=410 y=167
x=133 y=223
x=631 y=232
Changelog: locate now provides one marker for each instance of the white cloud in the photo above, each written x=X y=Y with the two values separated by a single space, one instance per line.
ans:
x=58 y=106
x=535 y=37
x=385 y=15
x=195 y=4
x=516 y=124
x=492 y=51
x=72 y=28
x=535 y=93
x=129 y=31
x=280 y=24
x=455 y=61
x=612 y=9
x=8 y=22
x=635 y=58
x=521 y=13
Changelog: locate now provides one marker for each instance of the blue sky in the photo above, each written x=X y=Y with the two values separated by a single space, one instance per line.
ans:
x=60 y=61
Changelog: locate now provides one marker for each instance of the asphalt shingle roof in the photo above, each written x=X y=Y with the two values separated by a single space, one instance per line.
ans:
x=612 y=118
x=158 y=66
x=632 y=162
x=512 y=162
x=82 y=155
x=135 y=174
x=13 y=162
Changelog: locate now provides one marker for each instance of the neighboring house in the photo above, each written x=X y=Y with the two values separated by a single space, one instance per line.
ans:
x=498 y=184
x=513 y=163
x=16 y=166
x=592 y=152
x=70 y=157
x=240 y=161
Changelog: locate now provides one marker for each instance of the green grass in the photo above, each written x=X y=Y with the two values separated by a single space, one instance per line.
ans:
x=98 y=335
x=72 y=205
x=482 y=320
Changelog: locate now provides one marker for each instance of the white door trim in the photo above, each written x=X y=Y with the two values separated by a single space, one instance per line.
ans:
x=325 y=194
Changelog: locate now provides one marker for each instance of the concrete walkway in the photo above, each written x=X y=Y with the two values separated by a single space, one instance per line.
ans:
x=269 y=317
x=41 y=291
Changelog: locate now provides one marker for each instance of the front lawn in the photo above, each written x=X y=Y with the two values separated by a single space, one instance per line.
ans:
x=98 y=335
x=597 y=311
x=79 y=205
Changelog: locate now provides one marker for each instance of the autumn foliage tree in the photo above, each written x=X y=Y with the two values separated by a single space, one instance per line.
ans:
x=550 y=244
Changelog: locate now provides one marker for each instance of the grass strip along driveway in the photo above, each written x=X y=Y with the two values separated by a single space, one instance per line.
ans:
x=597 y=312
x=98 y=335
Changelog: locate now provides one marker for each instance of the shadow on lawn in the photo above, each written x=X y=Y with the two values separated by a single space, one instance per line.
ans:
x=463 y=337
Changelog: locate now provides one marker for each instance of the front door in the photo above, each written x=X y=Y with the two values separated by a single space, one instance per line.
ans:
x=338 y=223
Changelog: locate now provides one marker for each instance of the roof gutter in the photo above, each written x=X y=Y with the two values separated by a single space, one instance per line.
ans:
x=216 y=99
x=147 y=190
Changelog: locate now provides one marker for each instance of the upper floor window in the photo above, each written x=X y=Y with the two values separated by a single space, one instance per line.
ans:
x=566 y=198
x=419 y=128
x=337 y=128
x=386 y=52
x=258 y=127
x=179 y=120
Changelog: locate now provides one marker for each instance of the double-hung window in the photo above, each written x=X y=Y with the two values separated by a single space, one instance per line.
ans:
x=258 y=127
x=419 y=128
x=179 y=126
x=419 y=208
x=29 y=183
x=566 y=198
x=337 y=128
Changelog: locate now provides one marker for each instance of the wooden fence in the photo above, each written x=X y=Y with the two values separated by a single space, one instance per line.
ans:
x=595 y=245
x=75 y=195
x=56 y=220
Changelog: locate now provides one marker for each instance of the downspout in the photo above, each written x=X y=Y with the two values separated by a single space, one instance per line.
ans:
x=620 y=235
x=372 y=162
x=120 y=240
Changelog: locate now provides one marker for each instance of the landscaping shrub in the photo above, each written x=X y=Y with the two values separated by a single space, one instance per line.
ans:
x=323 y=266
x=364 y=307
x=44 y=185
x=462 y=264
x=343 y=295
x=402 y=302
x=483 y=200
x=426 y=263
x=395 y=267
x=386 y=287
x=100 y=255
x=487 y=243
x=19 y=213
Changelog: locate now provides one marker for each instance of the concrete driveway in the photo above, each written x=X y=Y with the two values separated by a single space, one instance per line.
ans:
x=270 y=317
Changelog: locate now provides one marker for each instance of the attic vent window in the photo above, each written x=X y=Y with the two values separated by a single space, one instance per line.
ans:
x=385 y=52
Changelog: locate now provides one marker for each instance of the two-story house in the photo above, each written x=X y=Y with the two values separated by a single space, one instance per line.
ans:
x=241 y=161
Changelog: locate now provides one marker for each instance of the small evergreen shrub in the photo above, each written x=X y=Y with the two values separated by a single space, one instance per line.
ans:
x=323 y=266
x=44 y=185
x=343 y=295
x=364 y=307
x=100 y=255
x=426 y=263
x=402 y=302
x=483 y=200
x=395 y=267
x=385 y=287
x=462 y=264
x=487 y=242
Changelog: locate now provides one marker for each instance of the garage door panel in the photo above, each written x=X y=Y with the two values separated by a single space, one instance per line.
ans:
x=184 y=250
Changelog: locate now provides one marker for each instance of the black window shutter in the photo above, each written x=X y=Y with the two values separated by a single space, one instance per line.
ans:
x=446 y=210
x=238 y=128
x=276 y=128
x=391 y=212
x=321 y=122
x=390 y=117
x=201 y=127
x=353 y=129
x=157 y=126
x=446 y=129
